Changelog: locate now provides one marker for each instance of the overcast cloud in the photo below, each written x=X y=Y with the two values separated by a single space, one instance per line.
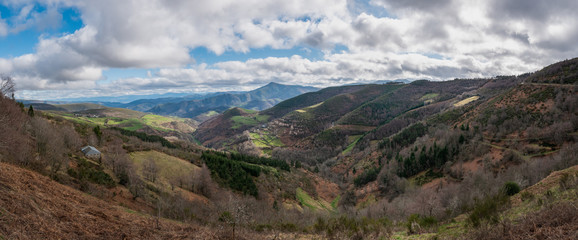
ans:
x=416 y=39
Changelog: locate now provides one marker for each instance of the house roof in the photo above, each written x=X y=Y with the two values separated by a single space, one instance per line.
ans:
x=88 y=150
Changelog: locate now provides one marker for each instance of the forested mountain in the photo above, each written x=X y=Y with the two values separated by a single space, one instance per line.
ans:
x=258 y=99
x=197 y=106
x=145 y=104
x=356 y=122
x=333 y=113
x=379 y=139
x=446 y=160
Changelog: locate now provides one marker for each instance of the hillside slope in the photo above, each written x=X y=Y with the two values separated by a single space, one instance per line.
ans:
x=403 y=159
x=33 y=206
x=419 y=132
x=217 y=131
x=98 y=115
x=326 y=118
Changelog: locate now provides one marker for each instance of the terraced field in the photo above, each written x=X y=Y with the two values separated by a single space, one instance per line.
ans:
x=239 y=121
x=266 y=140
x=466 y=101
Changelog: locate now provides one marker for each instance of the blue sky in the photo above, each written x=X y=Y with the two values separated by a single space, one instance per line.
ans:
x=24 y=42
x=72 y=48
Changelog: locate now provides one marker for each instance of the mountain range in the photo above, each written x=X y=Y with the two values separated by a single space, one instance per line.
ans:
x=404 y=129
x=441 y=160
x=196 y=106
x=258 y=99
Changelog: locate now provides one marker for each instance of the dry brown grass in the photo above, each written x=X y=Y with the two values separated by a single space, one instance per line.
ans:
x=547 y=183
x=559 y=221
x=33 y=206
x=554 y=220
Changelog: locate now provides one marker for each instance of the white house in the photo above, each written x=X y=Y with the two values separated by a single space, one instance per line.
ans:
x=91 y=152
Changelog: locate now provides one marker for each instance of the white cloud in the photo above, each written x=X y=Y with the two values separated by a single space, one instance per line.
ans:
x=28 y=17
x=3 y=27
x=336 y=69
x=467 y=38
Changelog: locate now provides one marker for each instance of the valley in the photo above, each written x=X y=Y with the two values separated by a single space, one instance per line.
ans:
x=452 y=159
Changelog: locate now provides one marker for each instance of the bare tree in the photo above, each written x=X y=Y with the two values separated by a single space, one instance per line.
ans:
x=183 y=181
x=237 y=212
x=203 y=183
x=195 y=177
x=71 y=138
x=7 y=86
x=173 y=182
x=50 y=145
x=116 y=157
x=136 y=186
x=150 y=169
x=14 y=146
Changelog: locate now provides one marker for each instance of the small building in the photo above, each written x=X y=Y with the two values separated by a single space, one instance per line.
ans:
x=91 y=152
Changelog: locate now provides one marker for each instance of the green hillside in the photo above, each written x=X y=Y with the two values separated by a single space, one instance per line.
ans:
x=97 y=115
x=387 y=138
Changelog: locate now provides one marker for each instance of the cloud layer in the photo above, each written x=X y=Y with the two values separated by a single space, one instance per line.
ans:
x=414 y=39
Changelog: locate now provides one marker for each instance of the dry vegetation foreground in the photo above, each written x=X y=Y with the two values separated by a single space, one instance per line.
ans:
x=33 y=206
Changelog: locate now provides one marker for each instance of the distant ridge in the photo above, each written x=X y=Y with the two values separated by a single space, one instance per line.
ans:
x=258 y=99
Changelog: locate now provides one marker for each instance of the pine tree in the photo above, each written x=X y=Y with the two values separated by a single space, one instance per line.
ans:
x=31 y=111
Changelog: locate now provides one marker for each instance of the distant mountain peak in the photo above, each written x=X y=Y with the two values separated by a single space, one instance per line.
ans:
x=258 y=99
x=276 y=84
x=273 y=84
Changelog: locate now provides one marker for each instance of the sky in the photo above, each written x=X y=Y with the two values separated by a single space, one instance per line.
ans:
x=56 y=49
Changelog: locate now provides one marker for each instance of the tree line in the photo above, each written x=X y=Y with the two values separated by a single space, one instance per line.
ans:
x=234 y=174
x=271 y=162
x=145 y=137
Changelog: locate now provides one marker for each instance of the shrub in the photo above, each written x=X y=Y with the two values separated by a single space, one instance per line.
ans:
x=320 y=225
x=551 y=222
x=345 y=227
x=511 y=188
x=226 y=217
x=565 y=181
x=415 y=220
x=549 y=193
x=366 y=177
x=263 y=227
x=526 y=196
x=288 y=227
x=92 y=173
x=487 y=210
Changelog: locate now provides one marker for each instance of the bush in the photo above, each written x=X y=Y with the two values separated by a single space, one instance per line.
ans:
x=366 y=177
x=566 y=181
x=487 y=210
x=226 y=217
x=288 y=227
x=345 y=227
x=526 y=196
x=511 y=188
x=415 y=220
x=263 y=227
x=551 y=223
x=92 y=173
